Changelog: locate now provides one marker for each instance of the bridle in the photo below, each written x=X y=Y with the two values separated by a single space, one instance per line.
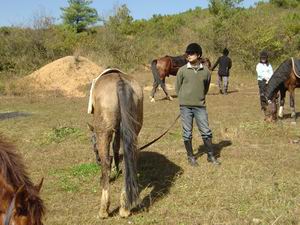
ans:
x=9 y=212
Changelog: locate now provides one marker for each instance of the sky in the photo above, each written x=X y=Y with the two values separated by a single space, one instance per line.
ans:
x=23 y=12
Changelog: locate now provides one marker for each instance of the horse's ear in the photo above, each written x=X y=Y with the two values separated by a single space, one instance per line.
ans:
x=90 y=127
x=21 y=197
x=39 y=186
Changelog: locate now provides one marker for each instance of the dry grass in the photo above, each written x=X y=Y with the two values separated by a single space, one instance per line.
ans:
x=258 y=182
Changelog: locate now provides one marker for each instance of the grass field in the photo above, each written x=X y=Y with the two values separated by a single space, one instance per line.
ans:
x=257 y=183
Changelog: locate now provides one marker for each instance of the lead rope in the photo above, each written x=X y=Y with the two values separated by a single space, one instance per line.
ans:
x=160 y=136
x=9 y=211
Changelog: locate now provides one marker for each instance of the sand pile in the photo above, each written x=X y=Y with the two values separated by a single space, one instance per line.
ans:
x=69 y=76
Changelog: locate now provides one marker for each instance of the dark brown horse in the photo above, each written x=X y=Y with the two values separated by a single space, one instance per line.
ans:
x=117 y=103
x=20 y=203
x=285 y=78
x=165 y=66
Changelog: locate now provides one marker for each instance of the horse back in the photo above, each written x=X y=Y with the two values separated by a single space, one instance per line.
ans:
x=106 y=101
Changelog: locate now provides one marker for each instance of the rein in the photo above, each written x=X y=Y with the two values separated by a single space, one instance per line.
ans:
x=160 y=136
x=10 y=210
x=293 y=64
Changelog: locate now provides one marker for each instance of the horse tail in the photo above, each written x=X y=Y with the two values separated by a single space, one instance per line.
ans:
x=129 y=123
x=155 y=71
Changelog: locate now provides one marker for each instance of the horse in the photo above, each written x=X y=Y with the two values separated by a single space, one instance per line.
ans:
x=117 y=108
x=20 y=203
x=168 y=65
x=285 y=78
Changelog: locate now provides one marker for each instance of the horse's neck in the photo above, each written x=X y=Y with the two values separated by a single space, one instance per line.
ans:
x=178 y=61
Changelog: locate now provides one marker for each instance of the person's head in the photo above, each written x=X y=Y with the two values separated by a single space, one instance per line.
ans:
x=225 y=51
x=263 y=57
x=193 y=52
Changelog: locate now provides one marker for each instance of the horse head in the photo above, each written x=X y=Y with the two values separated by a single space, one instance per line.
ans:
x=270 y=110
x=94 y=143
x=23 y=206
x=206 y=62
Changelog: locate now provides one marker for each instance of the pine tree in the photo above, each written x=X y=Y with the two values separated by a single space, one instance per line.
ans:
x=79 y=14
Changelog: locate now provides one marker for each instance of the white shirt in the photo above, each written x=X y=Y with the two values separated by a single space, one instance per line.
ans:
x=264 y=71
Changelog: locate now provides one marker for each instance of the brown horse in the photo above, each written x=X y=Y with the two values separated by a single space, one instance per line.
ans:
x=285 y=78
x=117 y=102
x=20 y=203
x=165 y=66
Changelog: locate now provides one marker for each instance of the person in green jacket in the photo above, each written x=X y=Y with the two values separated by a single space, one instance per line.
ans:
x=191 y=86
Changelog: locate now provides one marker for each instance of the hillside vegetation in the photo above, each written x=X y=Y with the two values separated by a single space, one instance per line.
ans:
x=126 y=43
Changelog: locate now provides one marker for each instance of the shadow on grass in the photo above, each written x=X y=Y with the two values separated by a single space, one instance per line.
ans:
x=166 y=99
x=217 y=147
x=218 y=93
x=158 y=173
x=11 y=115
x=288 y=116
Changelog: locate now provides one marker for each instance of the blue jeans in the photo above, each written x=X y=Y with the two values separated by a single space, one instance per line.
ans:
x=225 y=80
x=188 y=113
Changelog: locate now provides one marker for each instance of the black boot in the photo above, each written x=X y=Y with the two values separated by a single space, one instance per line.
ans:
x=210 y=152
x=189 y=150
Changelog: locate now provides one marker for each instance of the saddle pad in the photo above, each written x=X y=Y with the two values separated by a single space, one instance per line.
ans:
x=107 y=71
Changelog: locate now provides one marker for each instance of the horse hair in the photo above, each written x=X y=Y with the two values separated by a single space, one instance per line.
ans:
x=14 y=171
x=129 y=137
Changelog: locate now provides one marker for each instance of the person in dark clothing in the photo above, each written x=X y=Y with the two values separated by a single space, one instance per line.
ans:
x=192 y=84
x=225 y=64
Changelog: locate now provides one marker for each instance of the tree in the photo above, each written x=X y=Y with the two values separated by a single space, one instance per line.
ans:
x=121 y=21
x=222 y=6
x=79 y=14
x=285 y=3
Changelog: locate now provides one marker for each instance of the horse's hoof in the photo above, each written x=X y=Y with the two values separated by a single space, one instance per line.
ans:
x=170 y=98
x=103 y=214
x=152 y=100
x=124 y=212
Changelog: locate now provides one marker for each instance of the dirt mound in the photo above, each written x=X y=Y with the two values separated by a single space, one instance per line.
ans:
x=68 y=76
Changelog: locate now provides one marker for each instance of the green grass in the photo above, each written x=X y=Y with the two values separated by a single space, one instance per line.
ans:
x=71 y=179
x=257 y=183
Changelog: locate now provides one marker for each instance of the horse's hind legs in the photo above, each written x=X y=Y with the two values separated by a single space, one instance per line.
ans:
x=116 y=149
x=103 y=147
x=123 y=211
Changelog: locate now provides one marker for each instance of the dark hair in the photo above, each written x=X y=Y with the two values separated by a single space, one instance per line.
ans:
x=225 y=51
x=264 y=55
x=194 y=48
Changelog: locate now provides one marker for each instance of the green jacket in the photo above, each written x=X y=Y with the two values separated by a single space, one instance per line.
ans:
x=192 y=85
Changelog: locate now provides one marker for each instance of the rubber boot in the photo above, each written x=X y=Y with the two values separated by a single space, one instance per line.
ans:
x=210 y=152
x=189 y=150
x=225 y=90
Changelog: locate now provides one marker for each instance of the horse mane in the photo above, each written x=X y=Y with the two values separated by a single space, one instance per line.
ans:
x=14 y=174
x=280 y=75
